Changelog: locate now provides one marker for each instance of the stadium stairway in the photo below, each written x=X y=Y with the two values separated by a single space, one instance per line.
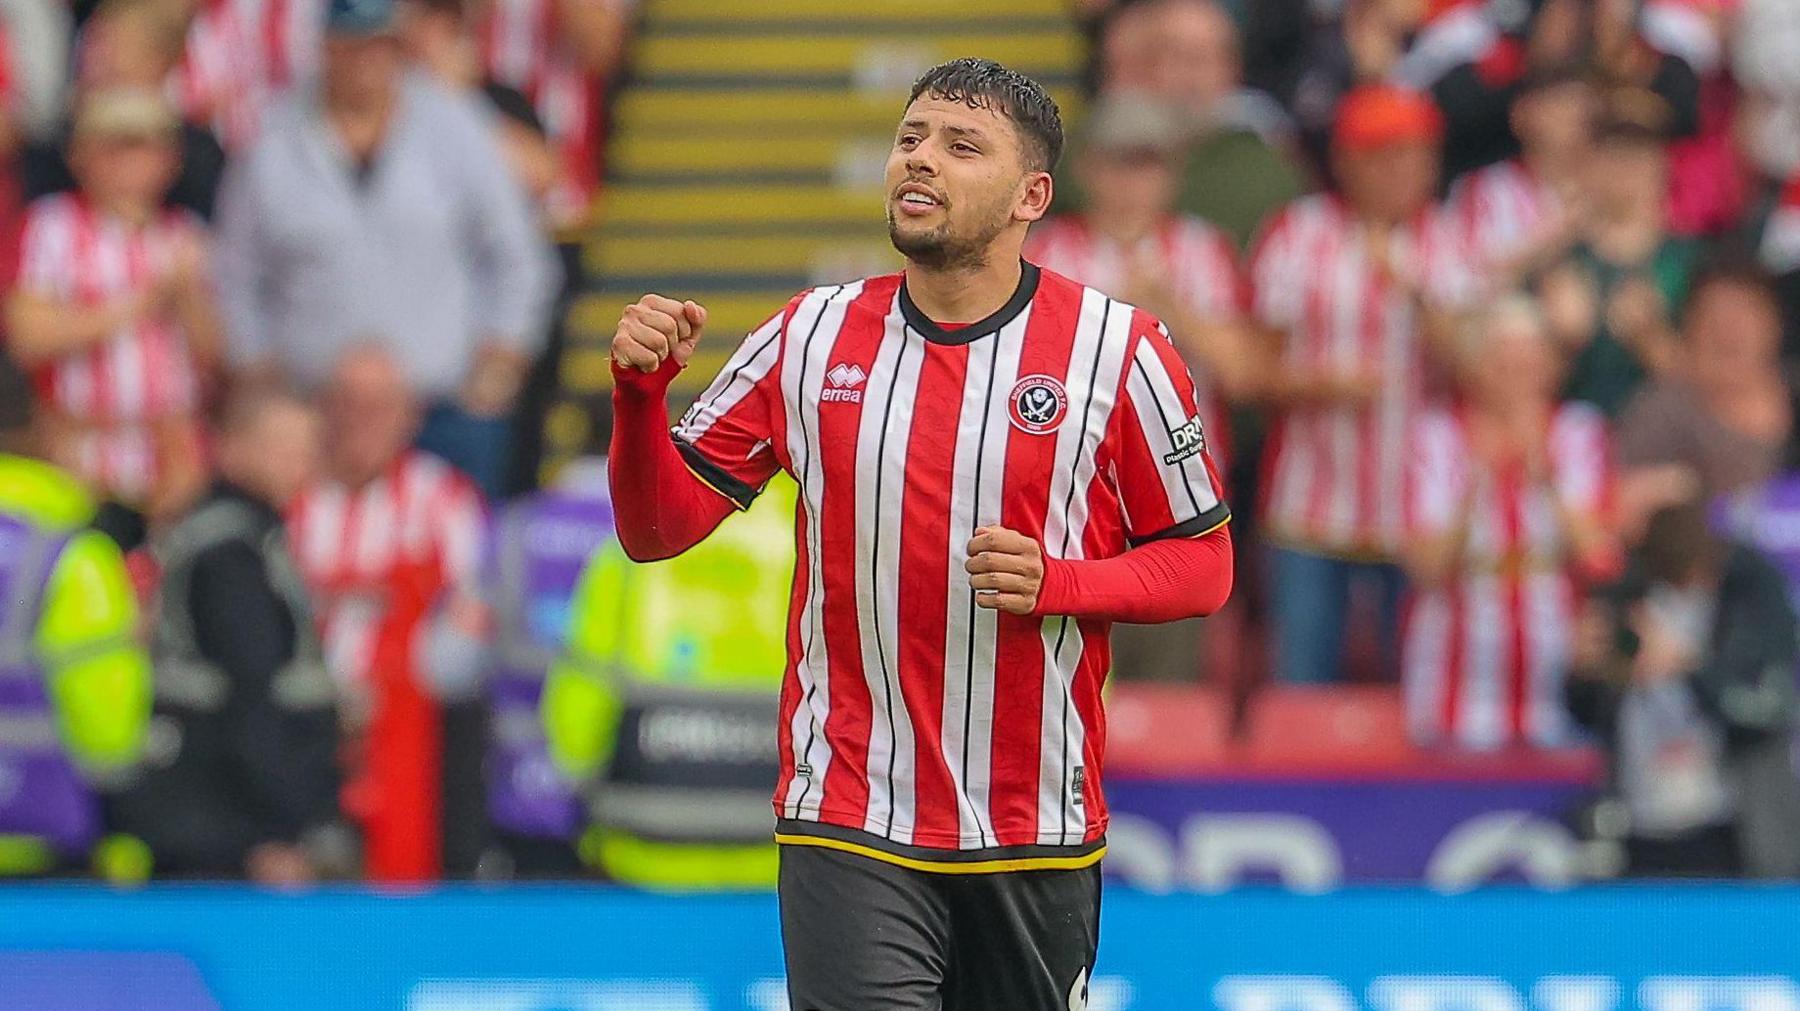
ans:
x=746 y=154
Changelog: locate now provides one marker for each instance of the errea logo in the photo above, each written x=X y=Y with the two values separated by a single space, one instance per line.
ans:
x=842 y=384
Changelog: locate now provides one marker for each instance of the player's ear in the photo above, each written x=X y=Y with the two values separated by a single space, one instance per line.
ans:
x=1034 y=197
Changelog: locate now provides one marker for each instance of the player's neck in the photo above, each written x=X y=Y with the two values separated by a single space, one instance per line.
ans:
x=966 y=293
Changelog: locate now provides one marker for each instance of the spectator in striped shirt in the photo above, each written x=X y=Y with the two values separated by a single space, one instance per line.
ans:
x=131 y=44
x=113 y=311
x=561 y=54
x=238 y=58
x=391 y=542
x=1519 y=214
x=1131 y=243
x=1505 y=501
x=1357 y=289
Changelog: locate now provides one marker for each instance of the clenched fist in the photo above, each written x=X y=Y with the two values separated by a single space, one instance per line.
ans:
x=655 y=328
x=1006 y=568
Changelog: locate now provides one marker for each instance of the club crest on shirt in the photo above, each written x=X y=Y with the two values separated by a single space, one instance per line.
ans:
x=1039 y=404
x=1188 y=441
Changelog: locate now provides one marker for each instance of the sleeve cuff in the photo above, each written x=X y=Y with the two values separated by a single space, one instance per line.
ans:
x=1057 y=589
x=1199 y=526
x=716 y=477
x=636 y=381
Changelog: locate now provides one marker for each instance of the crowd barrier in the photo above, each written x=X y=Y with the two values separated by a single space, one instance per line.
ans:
x=581 y=948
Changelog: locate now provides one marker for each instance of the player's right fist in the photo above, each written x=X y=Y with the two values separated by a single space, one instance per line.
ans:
x=654 y=328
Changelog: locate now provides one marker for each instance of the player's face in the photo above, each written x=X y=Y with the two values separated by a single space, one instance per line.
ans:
x=957 y=181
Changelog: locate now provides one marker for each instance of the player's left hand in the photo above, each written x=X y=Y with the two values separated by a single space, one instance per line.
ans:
x=1006 y=568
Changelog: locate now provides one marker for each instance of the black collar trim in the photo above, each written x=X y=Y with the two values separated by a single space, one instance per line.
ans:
x=1021 y=297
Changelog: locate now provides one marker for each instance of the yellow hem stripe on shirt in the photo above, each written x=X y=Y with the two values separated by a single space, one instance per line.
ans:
x=1073 y=863
x=1212 y=529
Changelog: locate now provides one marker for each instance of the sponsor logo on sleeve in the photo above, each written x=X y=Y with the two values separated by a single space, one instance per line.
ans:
x=1188 y=442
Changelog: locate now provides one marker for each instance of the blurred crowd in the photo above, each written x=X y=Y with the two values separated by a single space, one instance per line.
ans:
x=1496 y=304
x=284 y=290
x=1495 y=309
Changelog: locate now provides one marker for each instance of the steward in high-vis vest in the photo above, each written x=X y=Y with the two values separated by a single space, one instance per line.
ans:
x=668 y=698
x=540 y=546
x=241 y=775
x=74 y=684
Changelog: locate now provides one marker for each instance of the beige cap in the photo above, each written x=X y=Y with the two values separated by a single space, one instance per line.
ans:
x=1129 y=123
x=124 y=112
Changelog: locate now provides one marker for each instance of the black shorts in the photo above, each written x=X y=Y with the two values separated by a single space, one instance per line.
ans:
x=862 y=934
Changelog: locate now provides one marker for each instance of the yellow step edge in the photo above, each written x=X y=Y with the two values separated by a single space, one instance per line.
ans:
x=789 y=54
x=645 y=153
x=752 y=254
x=737 y=205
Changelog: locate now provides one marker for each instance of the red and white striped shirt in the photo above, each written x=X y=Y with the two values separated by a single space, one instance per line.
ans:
x=519 y=49
x=350 y=541
x=1199 y=259
x=911 y=718
x=240 y=56
x=1500 y=211
x=1335 y=471
x=70 y=252
x=1485 y=654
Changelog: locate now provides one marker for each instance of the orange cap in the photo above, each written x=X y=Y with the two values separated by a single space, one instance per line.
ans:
x=1376 y=115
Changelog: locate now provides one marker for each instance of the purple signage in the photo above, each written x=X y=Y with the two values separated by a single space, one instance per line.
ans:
x=1316 y=832
x=1769 y=519
x=116 y=981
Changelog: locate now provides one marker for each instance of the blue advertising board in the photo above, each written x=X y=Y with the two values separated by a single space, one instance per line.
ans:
x=593 y=949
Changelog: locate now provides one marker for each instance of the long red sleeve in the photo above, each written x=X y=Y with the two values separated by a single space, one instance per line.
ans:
x=1160 y=581
x=660 y=509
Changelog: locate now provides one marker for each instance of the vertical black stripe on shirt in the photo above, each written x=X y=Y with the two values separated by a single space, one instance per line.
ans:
x=987 y=409
x=887 y=690
x=1062 y=552
x=814 y=561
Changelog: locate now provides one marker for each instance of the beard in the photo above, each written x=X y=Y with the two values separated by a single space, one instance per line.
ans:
x=942 y=247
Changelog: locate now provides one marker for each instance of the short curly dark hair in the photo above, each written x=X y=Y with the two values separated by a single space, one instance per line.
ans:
x=984 y=84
